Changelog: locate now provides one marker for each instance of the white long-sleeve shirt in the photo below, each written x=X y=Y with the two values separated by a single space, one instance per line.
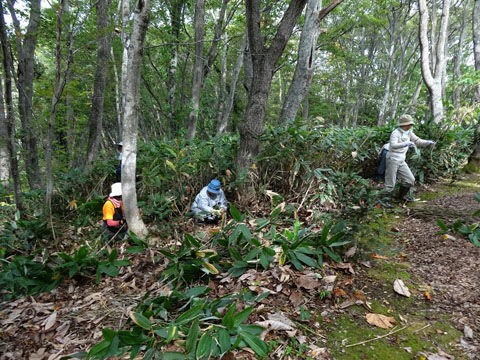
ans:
x=205 y=204
x=400 y=138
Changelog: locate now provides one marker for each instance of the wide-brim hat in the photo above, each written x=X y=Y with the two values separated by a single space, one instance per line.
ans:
x=405 y=120
x=116 y=190
x=214 y=186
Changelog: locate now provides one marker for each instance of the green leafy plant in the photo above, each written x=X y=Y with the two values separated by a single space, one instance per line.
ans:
x=206 y=328
x=25 y=275
x=190 y=262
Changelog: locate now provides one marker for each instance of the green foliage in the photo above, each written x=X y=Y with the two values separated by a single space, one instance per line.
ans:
x=469 y=231
x=207 y=328
x=25 y=275
x=190 y=262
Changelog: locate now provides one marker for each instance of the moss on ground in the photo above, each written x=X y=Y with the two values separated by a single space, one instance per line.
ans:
x=417 y=330
x=351 y=337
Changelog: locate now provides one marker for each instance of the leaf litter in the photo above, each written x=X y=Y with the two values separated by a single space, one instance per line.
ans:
x=70 y=318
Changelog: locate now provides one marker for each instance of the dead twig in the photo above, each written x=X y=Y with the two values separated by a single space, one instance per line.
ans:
x=377 y=338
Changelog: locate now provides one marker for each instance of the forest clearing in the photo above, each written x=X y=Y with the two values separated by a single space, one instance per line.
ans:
x=240 y=179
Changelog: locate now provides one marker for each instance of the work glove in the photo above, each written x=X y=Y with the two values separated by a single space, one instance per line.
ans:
x=431 y=142
x=217 y=212
x=409 y=144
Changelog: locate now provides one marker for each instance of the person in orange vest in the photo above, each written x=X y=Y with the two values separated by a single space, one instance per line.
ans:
x=113 y=215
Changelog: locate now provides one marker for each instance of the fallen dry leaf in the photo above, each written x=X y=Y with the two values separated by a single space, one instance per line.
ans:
x=308 y=282
x=379 y=257
x=379 y=320
x=338 y=292
x=427 y=295
x=400 y=288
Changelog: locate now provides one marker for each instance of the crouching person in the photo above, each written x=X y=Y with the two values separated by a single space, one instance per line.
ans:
x=210 y=203
x=113 y=215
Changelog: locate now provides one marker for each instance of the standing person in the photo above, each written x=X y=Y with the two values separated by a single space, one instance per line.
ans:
x=118 y=170
x=401 y=140
x=113 y=215
x=210 y=203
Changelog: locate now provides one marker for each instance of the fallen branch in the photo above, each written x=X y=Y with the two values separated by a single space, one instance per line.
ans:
x=377 y=338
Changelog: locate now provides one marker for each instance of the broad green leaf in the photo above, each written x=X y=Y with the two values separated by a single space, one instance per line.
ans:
x=228 y=319
x=192 y=337
x=242 y=316
x=190 y=315
x=306 y=260
x=141 y=320
x=255 y=343
x=236 y=214
x=223 y=340
x=205 y=346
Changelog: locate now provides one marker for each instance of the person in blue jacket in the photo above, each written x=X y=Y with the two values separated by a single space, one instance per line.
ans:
x=210 y=203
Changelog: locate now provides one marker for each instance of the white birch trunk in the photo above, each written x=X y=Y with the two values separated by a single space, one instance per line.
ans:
x=434 y=62
x=131 y=116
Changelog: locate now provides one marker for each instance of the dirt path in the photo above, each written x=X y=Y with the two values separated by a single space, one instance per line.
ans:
x=449 y=265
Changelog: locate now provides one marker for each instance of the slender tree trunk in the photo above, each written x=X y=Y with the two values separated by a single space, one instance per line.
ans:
x=132 y=113
x=434 y=62
x=457 y=57
x=199 y=25
x=223 y=123
x=476 y=39
x=475 y=157
x=304 y=70
x=10 y=119
x=263 y=62
x=4 y=153
x=175 y=7
x=25 y=54
x=125 y=10
x=59 y=85
x=95 y=120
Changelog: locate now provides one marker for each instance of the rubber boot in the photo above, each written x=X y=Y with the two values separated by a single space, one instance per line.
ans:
x=403 y=194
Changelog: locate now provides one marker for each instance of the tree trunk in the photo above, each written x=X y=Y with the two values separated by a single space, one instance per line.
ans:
x=476 y=39
x=130 y=124
x=457 y=57
x=475 y=157
x=96 y=114
x=175 y=26
x=304 y=70
x=199 y=25
x=227 y=110
x=9 y=119
x=25 y=74
x=263 y=62
x=4 y=138
x=59 y=86
x=434 y=62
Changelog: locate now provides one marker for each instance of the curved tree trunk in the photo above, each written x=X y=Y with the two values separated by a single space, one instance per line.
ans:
x=130 y=123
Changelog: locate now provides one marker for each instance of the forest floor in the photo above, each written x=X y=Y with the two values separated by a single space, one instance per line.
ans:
x=327 y=314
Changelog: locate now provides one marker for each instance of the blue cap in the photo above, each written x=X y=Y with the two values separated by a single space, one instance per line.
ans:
x=214 y=186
